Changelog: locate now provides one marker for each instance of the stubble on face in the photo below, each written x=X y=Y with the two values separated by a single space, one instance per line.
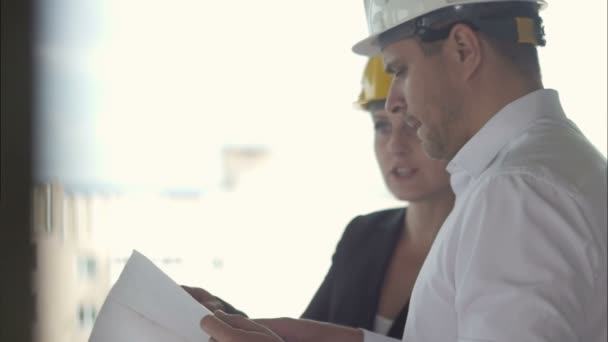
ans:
x=439 y=141
x=427 y=97
x=444 y=107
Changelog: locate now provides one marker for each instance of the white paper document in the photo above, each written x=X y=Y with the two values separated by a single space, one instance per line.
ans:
x=146 y=305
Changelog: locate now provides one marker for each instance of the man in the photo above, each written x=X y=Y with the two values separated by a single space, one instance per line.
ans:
x=522 y=257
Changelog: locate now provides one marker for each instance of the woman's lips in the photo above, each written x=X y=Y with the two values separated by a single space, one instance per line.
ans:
x=403 y=172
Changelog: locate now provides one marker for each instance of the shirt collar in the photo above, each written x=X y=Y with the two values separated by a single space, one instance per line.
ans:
x=477 y=154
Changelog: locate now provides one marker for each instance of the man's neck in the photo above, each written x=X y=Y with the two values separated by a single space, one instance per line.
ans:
x=424 y=218
x=494 y=93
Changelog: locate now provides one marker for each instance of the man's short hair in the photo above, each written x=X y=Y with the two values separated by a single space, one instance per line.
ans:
x=522 y=56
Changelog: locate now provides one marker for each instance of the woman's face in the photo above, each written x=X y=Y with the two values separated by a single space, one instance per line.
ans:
x=408 y=172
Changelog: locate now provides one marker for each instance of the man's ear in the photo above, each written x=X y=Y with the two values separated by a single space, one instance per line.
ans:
x=465 y=50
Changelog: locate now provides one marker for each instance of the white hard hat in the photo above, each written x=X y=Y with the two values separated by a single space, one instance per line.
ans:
x=383 y=15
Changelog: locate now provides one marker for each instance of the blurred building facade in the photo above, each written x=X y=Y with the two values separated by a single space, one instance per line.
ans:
x=72 y=272
x=84 y=238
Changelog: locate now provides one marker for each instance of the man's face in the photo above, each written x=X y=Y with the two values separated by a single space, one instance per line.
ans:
x=408 y=172
x=430 y=100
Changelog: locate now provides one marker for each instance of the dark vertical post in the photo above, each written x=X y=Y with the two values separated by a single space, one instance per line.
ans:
x=16 y=247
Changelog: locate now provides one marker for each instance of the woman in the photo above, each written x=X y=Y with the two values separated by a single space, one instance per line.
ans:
x=378 y=258
x=379 y=255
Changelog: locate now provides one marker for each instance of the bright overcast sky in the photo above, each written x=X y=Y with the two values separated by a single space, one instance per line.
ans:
x=139 y=92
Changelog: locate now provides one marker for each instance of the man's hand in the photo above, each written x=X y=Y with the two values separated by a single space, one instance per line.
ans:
x=304 y=330
x=205 y=298
x=222 y=327
x=211 y=302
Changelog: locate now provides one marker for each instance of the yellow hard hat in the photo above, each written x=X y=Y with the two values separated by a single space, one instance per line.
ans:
x=375 y=83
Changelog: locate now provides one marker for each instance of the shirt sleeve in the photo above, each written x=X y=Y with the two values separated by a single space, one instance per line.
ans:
x=524 y=269
x=369 y=336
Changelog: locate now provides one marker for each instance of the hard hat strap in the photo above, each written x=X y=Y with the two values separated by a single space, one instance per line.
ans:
x=523 y=30
x=520 y=24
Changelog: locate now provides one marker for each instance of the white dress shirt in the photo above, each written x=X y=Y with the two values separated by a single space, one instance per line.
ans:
x=382 y=325
x=522 y=256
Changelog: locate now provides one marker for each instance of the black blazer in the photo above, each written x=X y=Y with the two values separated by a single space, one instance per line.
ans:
x=350 y=293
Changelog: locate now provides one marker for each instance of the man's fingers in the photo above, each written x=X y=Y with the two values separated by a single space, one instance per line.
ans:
x=281 y=326
x=205 y=298
x=213 y=305
x=223 y=327
x=217 y=329
x=240 y=322
x=199 y=294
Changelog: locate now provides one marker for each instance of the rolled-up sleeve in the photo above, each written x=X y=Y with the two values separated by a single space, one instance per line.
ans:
x=525 y=268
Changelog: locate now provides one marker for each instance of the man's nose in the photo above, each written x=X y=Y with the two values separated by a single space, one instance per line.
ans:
x=395 y=102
